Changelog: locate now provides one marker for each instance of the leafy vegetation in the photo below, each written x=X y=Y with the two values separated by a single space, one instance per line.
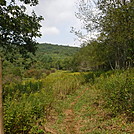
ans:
x=113 y=47
x=27 y=104
x=18 y=31
x=117 y=91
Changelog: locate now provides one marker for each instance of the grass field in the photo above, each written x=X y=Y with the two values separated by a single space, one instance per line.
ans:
x=71 y=103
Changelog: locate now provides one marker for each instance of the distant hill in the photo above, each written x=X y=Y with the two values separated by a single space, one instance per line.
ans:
x=55 y=56
x=45 y=48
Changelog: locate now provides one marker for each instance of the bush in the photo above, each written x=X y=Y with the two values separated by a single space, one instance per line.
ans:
x=25 y=103
x=117 y=90
x=90 y=76
x=26 y=86
x=25 y=113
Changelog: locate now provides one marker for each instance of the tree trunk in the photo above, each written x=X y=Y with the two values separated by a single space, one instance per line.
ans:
x=1 y=107
x=111 y=65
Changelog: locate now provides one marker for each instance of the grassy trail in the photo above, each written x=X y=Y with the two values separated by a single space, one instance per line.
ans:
x=69 y=123
x=82 y=113
x=72 y=126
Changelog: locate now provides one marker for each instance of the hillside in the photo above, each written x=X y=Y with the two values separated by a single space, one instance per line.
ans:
x=46 y=48
x=55 y=56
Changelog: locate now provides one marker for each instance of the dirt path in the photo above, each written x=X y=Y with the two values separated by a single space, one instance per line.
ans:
x=72 y=126
x=69 y=123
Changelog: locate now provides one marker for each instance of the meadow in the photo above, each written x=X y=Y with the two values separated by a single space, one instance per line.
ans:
x=64 y=102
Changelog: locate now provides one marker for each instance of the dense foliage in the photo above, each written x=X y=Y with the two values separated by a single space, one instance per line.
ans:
x=117 y=91
x=114 y=23
x=35 y=87
x=48 y=58
x=18 y=30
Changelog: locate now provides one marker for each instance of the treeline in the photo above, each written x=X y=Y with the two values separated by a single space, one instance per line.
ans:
x=47 y=58
x=114 y=47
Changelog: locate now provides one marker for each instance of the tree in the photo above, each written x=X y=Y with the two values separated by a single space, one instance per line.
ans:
x=18 y=31
x=91 y=56
x=1 y=109
x=117 y=26
x=113 y=20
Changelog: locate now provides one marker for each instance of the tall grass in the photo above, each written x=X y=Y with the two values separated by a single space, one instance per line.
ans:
x=28 y=103
x=63 y=83
x=24 y=104
x=118 y=91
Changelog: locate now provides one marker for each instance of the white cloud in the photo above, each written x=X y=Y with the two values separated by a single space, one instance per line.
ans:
x=56 y=11
x=59 y=17
x=50 y=31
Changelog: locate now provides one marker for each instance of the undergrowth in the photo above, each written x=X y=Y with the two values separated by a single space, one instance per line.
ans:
x=117 y=90
x=29 y=103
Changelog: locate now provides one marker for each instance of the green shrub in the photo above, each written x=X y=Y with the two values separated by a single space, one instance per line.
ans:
x=37 y=74
x=118 y=91
x=23 y=114
x=26 y=86
x=25 y=103
x=90 y=76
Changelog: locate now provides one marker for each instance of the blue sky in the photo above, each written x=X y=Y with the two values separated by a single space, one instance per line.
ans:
x=59 y=17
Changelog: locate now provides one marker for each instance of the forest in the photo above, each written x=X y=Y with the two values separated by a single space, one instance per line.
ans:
x=54 y=89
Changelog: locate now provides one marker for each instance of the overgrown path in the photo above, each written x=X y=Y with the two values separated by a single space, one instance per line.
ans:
x=82 y=113
x=72 y=126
